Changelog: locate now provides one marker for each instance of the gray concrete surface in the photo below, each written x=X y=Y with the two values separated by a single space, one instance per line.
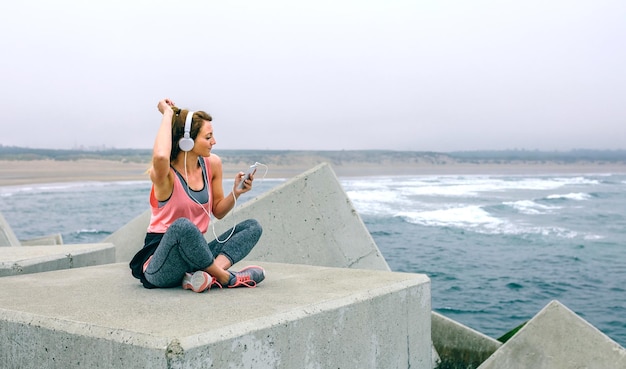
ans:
x=36 y=259
x=53 y=239
x=7 y=237
x=299 y=317
x=130 y=237
x=460 y=344
x=309 y=220
x=557 y=338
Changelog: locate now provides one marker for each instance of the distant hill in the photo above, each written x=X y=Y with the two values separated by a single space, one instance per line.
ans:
x=24 y=153
x=337 y=157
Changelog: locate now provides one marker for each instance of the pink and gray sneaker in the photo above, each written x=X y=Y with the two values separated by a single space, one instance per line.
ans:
x=249 y=276
x=199 y=281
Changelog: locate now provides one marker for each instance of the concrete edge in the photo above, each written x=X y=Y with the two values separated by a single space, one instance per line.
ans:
x=74 y=327
x=242 y=328
x=459 y=343
x=52 y=239
x=76 y=256
x=233 y=331
x=556 y=304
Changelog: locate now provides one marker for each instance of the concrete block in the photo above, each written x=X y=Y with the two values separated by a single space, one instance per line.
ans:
x=35 y=259
x=309 y=220
x=457 y=343
x=7 y=237
x=130 y=238
x=53 y=239
x=557 y=338
x=299 y=317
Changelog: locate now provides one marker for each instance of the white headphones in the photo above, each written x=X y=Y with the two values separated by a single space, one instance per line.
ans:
x=186 y=143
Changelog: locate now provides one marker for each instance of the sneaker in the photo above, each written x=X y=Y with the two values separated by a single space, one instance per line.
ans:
x=199 y=281
x=247 y=277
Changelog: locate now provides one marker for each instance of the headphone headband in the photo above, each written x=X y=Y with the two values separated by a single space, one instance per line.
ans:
x=188 y=123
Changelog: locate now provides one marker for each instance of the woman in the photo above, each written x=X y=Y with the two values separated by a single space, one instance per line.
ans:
x=186 y=188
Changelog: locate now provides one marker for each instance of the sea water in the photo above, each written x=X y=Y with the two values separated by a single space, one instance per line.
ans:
x=497 y=248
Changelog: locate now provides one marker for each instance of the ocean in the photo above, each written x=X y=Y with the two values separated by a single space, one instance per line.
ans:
x=497 y=248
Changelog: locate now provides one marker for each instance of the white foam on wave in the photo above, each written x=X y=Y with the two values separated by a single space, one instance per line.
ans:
x=370 y=183
x=463 y=217
x=576 y=196
x=382 y=195
x=473 y=186
x=379 y=202
x=376 y=196
x=577 y=181
x=6 y=191
x=552 y=231
x=530 y=207
x=87 y=230
x=476 y=219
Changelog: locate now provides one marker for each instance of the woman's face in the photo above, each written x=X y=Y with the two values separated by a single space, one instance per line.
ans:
x=205 y=140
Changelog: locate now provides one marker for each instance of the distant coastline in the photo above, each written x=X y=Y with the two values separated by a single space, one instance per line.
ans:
x=20 y=166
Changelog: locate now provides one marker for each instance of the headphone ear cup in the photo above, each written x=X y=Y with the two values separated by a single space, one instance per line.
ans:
x=185 y=144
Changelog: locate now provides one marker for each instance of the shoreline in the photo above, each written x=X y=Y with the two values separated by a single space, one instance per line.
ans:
x=24 y=172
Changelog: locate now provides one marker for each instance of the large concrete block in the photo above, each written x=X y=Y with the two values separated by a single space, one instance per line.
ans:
x=460 y=344
x=7 y=237
x=35 y=259
x=309 y=220
x=557 y=338
x=52 y=239
x=130 y=238
x=299 y=317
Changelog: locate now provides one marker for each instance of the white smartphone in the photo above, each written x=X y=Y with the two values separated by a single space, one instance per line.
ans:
x=246 y=176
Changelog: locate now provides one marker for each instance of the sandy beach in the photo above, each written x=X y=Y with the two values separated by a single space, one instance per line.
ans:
x=20 y=172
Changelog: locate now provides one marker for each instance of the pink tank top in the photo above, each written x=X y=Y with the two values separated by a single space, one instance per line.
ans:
x=180 y=205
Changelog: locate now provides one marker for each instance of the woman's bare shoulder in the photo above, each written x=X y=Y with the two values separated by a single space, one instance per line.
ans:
x=214 y=160
x=216 y=164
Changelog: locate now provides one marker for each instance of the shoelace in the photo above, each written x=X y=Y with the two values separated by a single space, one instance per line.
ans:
x=215 y=282
x=243 y=280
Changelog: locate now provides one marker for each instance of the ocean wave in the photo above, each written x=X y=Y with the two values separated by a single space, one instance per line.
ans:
x=514 y=286
x=576 y=196
x=472 y=186
x=464 y=217
x=578 y=180
x=380 y=202
x=7 y=191
x=90 y=231
x=530 y=207
x=451 y=310
x=478 y=220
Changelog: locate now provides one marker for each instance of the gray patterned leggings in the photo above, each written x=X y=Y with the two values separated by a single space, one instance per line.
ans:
x=183 y=249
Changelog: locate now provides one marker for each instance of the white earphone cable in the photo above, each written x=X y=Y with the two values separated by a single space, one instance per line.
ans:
x=208 y=186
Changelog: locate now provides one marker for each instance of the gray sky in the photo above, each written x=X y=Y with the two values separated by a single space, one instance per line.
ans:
x=436 y=75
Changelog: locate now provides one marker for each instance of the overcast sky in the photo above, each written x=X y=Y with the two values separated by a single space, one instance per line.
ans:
x=436 y=75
